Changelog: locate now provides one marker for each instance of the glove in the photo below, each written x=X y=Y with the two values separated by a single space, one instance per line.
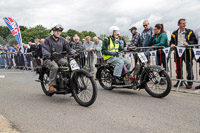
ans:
x=113 y=53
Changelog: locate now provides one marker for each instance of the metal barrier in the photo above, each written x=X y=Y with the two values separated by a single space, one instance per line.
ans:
x=13 y=60
x=186 y=54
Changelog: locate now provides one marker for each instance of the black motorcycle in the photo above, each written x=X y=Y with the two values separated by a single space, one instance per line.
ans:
x=154 y=79
x=71 y=79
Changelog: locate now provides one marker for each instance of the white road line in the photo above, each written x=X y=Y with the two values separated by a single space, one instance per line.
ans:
x=11 y=72
x=2 y=76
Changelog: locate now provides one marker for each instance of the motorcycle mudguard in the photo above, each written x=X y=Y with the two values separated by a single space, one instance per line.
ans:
x=80 y=70
x=72 y=80
x=102 y=67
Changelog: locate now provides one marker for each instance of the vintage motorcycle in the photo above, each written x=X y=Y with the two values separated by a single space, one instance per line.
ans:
x=154 y=79
x=70 y=79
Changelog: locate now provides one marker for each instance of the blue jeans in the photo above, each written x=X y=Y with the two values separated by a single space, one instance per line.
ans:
x=119 y=62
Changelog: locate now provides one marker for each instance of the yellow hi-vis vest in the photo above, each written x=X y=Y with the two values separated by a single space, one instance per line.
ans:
x=111 y=48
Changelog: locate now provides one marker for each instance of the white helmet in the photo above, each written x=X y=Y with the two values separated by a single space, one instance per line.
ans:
x=113 y=29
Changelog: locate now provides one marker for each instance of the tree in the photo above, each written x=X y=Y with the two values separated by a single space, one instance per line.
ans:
x=126 y=38
x=2 y=41
x=36 y=32
x=22 y=28
x=4 y=31
x=64 y=34
x=86 y=33
x=102 y=36
x=10 y=39
x=71 y=33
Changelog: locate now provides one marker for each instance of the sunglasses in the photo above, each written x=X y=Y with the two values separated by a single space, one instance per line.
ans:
x=145 y=25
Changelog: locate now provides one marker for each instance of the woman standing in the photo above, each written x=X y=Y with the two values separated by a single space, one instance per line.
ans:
x=159 y=38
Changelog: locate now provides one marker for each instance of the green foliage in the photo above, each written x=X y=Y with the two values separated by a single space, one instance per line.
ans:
x=102 y=36
x=71 y=33
x=22 y=28
x=64 y=34
x=31 y=33
x=87 y=33
x=2 y=41
x=4 y=31
x=36 y=32
x=126 y=38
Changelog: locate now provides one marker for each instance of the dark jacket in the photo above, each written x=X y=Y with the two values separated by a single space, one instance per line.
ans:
x=135 y=41
x=190 y=39
x=145 y=37
x=79 y=48
x=189 y=36
x=70 y=44
x=38 y=51
x=51 y=45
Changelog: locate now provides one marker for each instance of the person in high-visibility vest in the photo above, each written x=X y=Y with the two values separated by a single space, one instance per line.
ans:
x=109 y=50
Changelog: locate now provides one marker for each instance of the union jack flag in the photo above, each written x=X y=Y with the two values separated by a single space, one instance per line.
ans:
x=14 y=28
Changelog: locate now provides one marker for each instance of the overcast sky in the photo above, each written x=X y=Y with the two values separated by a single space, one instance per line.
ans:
x=99 y=15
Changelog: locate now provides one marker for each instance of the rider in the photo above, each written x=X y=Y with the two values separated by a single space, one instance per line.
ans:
x=54 y=43
x=109 y=50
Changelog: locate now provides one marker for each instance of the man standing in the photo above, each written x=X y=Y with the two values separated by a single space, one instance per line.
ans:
x=2 y=54
x=90 y=56
x=10 y=52
x=96 y=48
x=183 y=37
x=70 y=43
x=135 y=41
x=77 y=46
x=145 y=37
x=146 y=34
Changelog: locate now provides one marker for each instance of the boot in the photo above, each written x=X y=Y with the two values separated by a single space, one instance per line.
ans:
x=176 y=85
x=116 y=80
x=197 y=87
x=52 y=89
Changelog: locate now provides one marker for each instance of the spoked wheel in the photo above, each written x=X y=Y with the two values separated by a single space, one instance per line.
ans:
x=45 y=85
x=84 y=88
x=157 y=84
x=105 y=79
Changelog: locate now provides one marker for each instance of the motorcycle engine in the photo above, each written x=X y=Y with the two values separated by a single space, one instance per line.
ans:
x=127 y=80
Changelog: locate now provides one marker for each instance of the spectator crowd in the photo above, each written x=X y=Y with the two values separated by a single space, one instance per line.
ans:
x=31 y=56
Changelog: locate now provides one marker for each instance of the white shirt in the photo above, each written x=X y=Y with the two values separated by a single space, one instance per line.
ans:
x=181 y=38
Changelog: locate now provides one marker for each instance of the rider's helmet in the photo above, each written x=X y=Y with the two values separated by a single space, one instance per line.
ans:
x=114 y=29
x=57 y=27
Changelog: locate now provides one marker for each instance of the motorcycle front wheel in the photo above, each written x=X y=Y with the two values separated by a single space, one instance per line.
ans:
x=157 y=84
x=84 y=88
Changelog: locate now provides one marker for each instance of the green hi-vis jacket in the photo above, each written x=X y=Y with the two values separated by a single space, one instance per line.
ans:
x=108 y=46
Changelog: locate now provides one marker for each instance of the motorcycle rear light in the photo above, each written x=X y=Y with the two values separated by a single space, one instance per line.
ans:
x=131 y=78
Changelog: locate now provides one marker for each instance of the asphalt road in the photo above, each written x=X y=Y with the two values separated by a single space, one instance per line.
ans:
x=119 y=111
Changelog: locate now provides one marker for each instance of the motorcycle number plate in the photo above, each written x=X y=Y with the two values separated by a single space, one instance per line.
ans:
x=74 y=65
x=142 y=57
